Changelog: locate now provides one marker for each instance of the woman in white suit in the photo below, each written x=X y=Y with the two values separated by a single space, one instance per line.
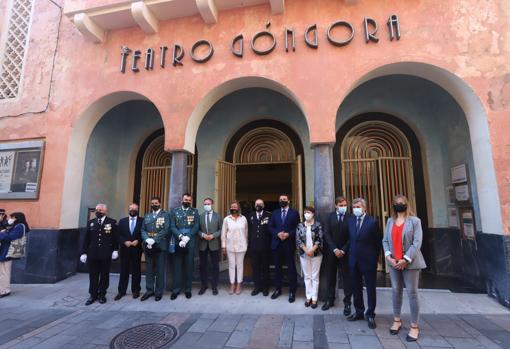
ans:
x=402 y=242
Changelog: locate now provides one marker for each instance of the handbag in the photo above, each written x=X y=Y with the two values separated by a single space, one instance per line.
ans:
x=17 y=247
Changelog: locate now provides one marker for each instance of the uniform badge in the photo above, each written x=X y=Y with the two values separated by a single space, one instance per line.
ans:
x=92 y=224
x=160 y=221
x=108 y=228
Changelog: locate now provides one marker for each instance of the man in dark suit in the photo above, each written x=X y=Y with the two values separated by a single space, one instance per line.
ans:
x=209 y=244
x=365 y=242
x=335 y=250
x=259 y=247
x=282 y=225
x=130 y=238
x=101 y=245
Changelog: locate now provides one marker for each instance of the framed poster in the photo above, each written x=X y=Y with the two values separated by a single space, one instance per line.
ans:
x=459 y=174
x=462 y=193
x=468 y=223
x=453 y=217
x=20 y=169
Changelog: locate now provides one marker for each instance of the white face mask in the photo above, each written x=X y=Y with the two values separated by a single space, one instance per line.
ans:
x=358 y=211
x=341 y=209
x=308 y=216
x=207 y=208
x=10 y=221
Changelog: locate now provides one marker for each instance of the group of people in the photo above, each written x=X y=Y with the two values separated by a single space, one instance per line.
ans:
x=12 y=227
x=349 y=243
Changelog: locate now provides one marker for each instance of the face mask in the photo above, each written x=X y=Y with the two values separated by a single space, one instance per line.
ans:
x=259 y=208
x=10 y=221
x=308 y=216
x=233 y=211
x=399 y=207
x=99 y=214
x=155 y=207
x=358 y=211
x=341 y=209
x=186 y=204
x=133 y=213
x=207 y=208
x=283 y=203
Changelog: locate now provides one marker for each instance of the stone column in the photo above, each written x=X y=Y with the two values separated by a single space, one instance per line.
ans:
x=178 y=178
x=324 y=196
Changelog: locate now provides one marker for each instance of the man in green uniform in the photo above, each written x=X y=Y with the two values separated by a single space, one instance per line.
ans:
x=184 y=225
x=155 y=236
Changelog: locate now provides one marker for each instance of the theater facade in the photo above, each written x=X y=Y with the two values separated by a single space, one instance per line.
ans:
x=115 y=101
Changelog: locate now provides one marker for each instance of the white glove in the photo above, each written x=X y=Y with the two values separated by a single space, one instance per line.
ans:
x=182 y=244
x=115 y=255
x=83 y=258
x=185 y=239
x=150 y=241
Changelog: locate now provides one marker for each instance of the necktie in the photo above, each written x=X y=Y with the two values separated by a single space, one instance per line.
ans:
x=284 y=215
x=207 y=221
x=338 y=217
x=132 y=225
x=258 y=216
x=358 y=225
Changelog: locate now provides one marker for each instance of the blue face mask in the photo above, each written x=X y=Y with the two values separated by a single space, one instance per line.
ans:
x=342 y=209
x=358 y=211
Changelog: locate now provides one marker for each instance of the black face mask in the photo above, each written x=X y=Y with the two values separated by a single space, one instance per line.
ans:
x=133 y=213
x=399 y=207
x=259 y=208
x=155 y=207
x=99 y=214
x=232 y=211
x=186 y=204
x=283 y=203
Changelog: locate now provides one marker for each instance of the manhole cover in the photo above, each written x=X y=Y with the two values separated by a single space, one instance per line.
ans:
x=148 y=336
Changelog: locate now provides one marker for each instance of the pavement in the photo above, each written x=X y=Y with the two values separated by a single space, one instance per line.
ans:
x=54 y=316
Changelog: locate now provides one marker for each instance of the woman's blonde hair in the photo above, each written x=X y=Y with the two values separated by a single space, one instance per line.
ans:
x=408 y=211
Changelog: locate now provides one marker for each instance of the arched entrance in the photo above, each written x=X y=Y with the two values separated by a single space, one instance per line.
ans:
x=153 y=168
x=376 y=165
x=263 y=159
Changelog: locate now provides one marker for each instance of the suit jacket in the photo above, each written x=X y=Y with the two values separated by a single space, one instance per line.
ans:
x=156 y=227
x=412 y=237
x=364 y=247
x=101 y=239
x=336 y=234
x=259 y=236
x=289 y=226
x=125 y=232
x=213 y=228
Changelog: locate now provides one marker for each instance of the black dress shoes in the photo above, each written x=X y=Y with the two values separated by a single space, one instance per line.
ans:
x=158 y=297
x=118 y=296
x=90 y=301
x=173 y=296
x=327 y=305
x=188 y=295
x=215 y=291
x=347 y=310
x=314 y=305
x=102 y=300
x=265 y=293
x=292 y=297
x=371 y=322
x=136 y=295
x=355 y=317
x=276 y=294
x=146 y=296
x=202 y=291
x=255 y=292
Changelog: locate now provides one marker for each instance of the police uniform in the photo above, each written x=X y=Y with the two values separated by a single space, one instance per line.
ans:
x=155 y=226
x=259 y=248
x=184 y=222
x=101 y=239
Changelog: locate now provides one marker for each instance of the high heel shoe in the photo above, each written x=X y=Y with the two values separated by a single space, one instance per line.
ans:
x=398 y=324
x=232 y=289
x=410 y=338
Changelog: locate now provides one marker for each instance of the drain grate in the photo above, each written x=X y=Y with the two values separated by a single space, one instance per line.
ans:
x=148 y=336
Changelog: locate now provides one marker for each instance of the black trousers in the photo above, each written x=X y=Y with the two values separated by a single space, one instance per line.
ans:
x=333 y=264
x=285 y=250
x=99 y=276
x=215 y=267
x=130 y=263
x=370 y=277
x=260 y=261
